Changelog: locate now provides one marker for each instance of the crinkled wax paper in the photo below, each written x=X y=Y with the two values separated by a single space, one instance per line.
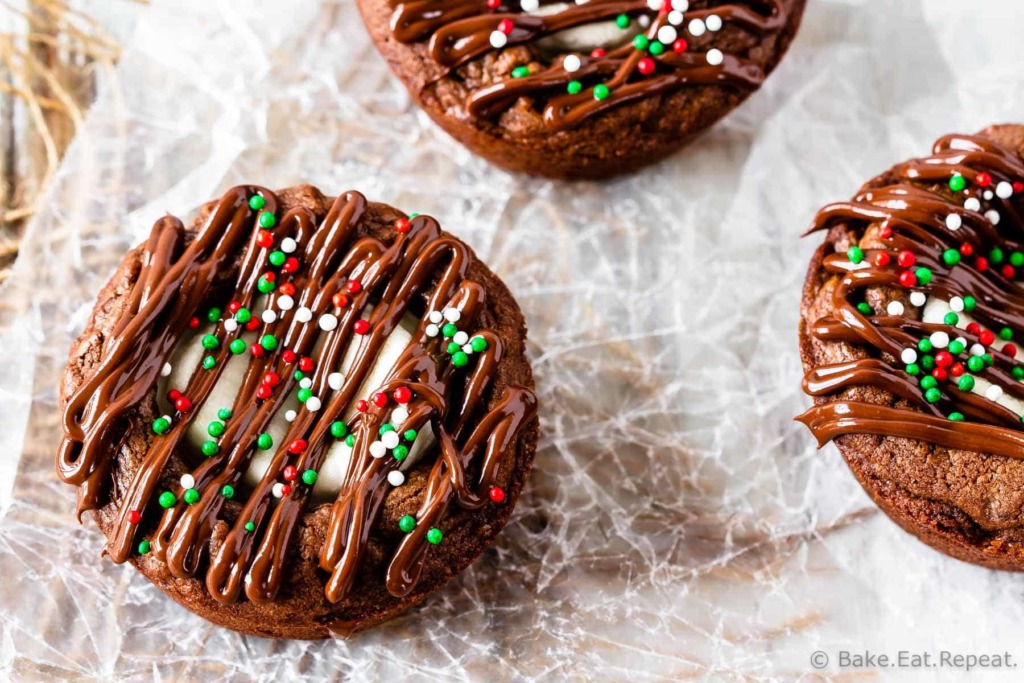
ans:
x=678 y=523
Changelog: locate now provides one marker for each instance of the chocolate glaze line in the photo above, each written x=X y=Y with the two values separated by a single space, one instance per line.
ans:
x=345 y=271
x=459 y=31
x=917 y=242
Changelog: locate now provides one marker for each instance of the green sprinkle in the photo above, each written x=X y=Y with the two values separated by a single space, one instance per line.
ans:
x=268 y=342
x=228 y=491
x=924 y=276
x=925 y=346
x=453 y=348
x=305 y=394
x=459 y=359
x=957 y=183
x=640 y=41
x=656 y=48
x=951 y=257
x=574 y=87
x=256 y=202
x=520 y=72
x=213 y=315
x=215 y=428
x=299 y=375
x=224 y=414
x=250 y=527
x=264 y=441
x=933 y=395
x=410 y=435
x=400 y=452
x=277 y=258
x=191 y=496
x=309 y=477
x=970 y=303
x=434 y=536
x=601 y=91
x=965 y=383
x=1017 y=259
x=1006 y=334
x=956 y=417
x=209 y=363
x=913 y=369
x=210 y=448
x=951 y=318
x=385 y=428
x=975 y=364
x=167 y=499
x=161 y=425
x=407 y=523
x=956 y=347
x=350 y=440
x=987 y=359
x=855 y=254
x=237 y=347
x=265 y=286
x=210 y=342
x=267 y=220
x=339 y=430
x=929 y=382
x=864 y=308
x=622 y=21
x=996 y=255
x=449 y=330
x=145 y=547
x=1017 y=372
x=928 y=362
x=243 y=315
x=478 y=344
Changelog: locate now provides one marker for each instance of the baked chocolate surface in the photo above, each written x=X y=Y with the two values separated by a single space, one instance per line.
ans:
x=302 y=570
x=546 y=103
x=911 y=315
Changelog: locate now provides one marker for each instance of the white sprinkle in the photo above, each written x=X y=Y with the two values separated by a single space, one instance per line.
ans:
x=288 y=245
x=334 y=380
x=940 y=340
x=328 y=322
x=654 y=4
x=918 y=298
x=399 y=416
x=230 y=325
x=278 y=490
x=956 y=304
x=453 y=315
x=696 y=27
x=166 y=370
x=908 y=356
x=994 y=392
x=714 y=23
x=643 y=20
x=680 y=5
x=498 y=39
x=290 y=415
x=467 y=349
x=305 y=383
x=188 y=481
x=1004 y=190
x=377 y=449
x=988 y=195
x=963 y=341
x=432 y=330
x=269 y=316
x=396 y=478
x=167 y=417
x=285 y=303
x=303 y=315
x=667 y=35
x=571 y=63
x=460 y=338
x=390 y=439
x=313 y=404
x=954 y=221
x=972 y=204
x=675 y=17
x=435 y=317
x=894 y=308
x=715 y=57
x=530 y=5
x=993 y=216
x=977 y=350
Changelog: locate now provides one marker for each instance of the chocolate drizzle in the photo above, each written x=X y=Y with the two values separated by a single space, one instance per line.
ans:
x=421 y=268
x=956 y=215
x=460 y=31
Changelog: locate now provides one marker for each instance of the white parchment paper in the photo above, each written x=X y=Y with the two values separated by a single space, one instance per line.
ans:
x=678 y=524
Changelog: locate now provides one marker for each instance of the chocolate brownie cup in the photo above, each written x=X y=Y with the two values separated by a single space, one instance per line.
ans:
x=301 y=415
x=584 y=89
x=912 y=314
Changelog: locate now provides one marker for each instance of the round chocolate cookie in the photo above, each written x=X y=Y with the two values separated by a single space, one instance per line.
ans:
x=584 y=89
x=301 y=415
x=912 y=314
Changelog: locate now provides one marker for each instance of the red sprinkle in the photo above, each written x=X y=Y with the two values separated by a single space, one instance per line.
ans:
x=272 y=378
x=288 y=289
x=288 y=356
x=940 y=374
x=882 y=258
x=679 y=45
x=402 y=225
x=645 y=66
x=264 y=239
x=134 y=517
x=353 y=286
x=496 y=494
x=234 y=306
x=943 y=359
x=253 y=324
x=269 y=276
x=361 y=327
x=297 y=446
x=981 y=263
x=306 y=364
x=1009 y=272
x=403 y=395
x=973 y=328
x=885 y=232
x=182 y=404
x=597 y=52
x=506 y=26
x=906 y=258
x=908 y=279
x=362 y=406
x=1018 y=187
x=1010 y=350
x=256 y=350
x=339 y=300
x=957 y=370
x=966 y=249
x=380 y=399
x=291 y=265
x=193 y=323
x=285 y=490
x=987 y=337
x=173 y=395
x=290 y=473
x=264 y=391
x=494 y=4
x=983 y=179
